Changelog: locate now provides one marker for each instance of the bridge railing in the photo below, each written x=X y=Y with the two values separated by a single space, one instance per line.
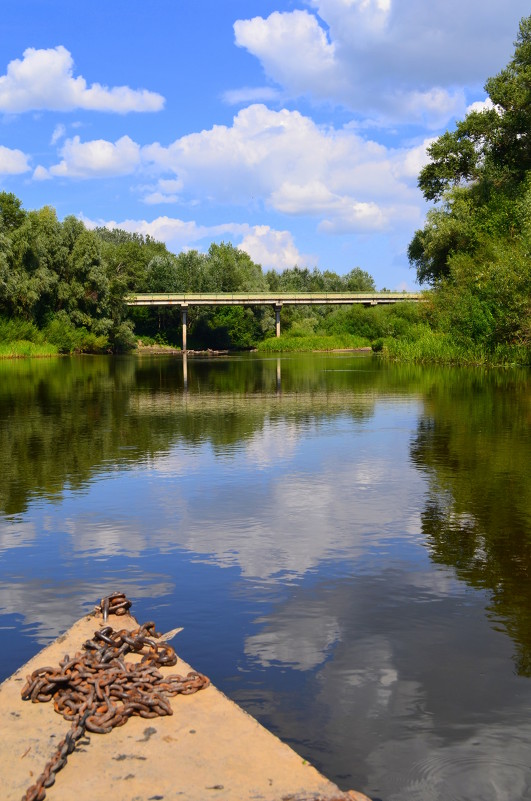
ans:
x=269 y=298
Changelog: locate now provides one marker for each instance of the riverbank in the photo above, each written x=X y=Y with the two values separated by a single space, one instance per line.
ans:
x=428 y=347
x=433 y=347
x=170 y=350
x=419 y=347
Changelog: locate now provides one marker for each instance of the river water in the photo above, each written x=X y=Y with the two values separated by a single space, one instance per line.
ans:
x=346 y=542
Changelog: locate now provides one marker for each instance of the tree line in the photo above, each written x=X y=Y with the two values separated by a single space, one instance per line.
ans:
x=69 y=284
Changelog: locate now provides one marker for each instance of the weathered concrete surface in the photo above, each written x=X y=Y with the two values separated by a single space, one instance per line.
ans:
x=209 y=747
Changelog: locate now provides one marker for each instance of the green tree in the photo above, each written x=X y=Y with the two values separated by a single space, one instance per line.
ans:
x=12 y=214
x=192 y=272
x=493 y=145
x=475 y=247
x=233 y=270
x=162 y=274
x=358 y=280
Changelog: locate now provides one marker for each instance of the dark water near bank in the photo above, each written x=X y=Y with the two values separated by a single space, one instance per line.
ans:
x=347 y=544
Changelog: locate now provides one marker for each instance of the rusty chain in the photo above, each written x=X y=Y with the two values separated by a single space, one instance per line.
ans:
x=98 y=690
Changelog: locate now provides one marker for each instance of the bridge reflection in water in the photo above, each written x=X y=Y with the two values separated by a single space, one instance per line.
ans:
x=185 y=374
x=277 y=301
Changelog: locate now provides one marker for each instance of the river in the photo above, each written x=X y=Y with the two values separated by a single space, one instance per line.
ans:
x=346 y=542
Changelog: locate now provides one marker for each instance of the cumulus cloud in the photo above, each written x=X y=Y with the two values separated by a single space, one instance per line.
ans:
x=279 y=41
x=273 y=249
x=13 y=162
x=43 y=80
x=277 y=160
x=269 y=160
x=40 y=173
x=315 y=198
x=165 y=191
x=383 y=58
x=270 y=155
x=97 y=158
x=413 y=160
x=480 y=105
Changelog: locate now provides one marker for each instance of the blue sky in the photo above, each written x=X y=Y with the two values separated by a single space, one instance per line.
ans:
x=294 y=129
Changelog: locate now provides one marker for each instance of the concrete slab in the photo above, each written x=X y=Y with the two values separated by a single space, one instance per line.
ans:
x=208 y=749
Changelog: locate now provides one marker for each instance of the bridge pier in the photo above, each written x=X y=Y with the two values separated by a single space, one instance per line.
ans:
x=184 y=313
x=277 y=307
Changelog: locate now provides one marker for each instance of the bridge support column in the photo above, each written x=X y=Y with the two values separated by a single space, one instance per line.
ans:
x=184 y=313
x=277 y=308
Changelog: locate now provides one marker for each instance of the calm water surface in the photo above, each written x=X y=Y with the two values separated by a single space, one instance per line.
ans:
x=347 y=544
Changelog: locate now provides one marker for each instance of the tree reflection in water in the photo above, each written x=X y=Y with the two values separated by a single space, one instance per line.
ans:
x=474 y=442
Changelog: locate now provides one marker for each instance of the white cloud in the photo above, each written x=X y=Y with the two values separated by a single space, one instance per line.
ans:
x=269 y=155
x=178 y=234
x=97 y=158
x=58 y=133
x=434 y=108
x=263 y=160
x=352 y=217
x=154 y=198
x=403 y=62
x=166 y=191
x=480 y=105
x=279 y=41
x=315 y=198
x=13 y=162
x=43 y=80
x=410 y=165
x=272 y=249
x=40 y=173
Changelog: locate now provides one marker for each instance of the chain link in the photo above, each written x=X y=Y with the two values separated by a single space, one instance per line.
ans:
x=98 y=690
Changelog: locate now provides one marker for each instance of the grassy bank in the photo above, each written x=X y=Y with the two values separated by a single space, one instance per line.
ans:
x=287 y=343
x=22 y=348
x=434 y=347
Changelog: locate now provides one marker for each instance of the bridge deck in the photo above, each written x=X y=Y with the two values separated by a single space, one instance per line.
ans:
x=271 y=298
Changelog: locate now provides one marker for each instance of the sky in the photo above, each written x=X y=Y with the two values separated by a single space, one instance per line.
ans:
x=294 y=129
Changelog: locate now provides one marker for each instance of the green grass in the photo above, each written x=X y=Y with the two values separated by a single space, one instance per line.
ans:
x=23 y=348
x=286 y=343
x=438 y=348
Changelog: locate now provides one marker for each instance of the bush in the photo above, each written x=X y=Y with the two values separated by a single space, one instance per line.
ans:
x=16 y=329
x=68 y=339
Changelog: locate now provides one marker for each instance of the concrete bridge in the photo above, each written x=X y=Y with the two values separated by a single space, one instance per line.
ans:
x=276 y=300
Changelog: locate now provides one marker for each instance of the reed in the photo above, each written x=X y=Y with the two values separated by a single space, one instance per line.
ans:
x=289 y=343
x=23 y=348
x=439 y=348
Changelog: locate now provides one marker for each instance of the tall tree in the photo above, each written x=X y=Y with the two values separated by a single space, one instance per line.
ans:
x=480 y=172
x=494 y=145
x=12 y=214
